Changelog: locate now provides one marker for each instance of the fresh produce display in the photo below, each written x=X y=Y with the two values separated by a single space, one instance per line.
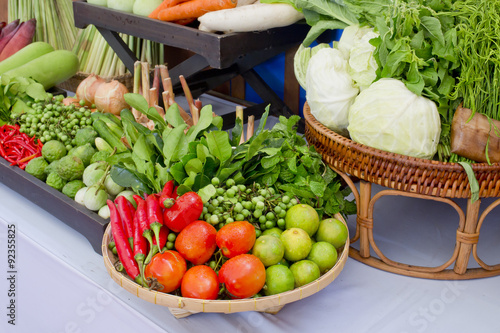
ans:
x=441 y=51
x=194 y=210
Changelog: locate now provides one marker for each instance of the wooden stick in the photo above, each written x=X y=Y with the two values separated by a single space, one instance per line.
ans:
x=145 y=81
x=166 y=99
x=153 y=96
x=156 y=83
x=195 y=113
x=250 y=126
x=137 y=87
x=167 y=83
x=198 y=104
x=239 y=115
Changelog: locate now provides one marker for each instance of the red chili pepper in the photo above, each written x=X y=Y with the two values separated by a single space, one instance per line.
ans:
x=155 y=216
x=15 y=146
x=122 y=245
x=185 y=210
x=166 y=198
x=163 y=236
x=127 y=211
x=140 y=243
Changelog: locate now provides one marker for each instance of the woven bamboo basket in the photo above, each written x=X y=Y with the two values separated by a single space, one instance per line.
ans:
x=72 y=83
x=182 y=307
x=411 y=177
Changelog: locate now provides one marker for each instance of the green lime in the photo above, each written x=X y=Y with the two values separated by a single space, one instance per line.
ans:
x=36 y=167
x=279 y=279
x=297 y=244
x=304 y=272
x=324 y=255
x=273 y=231
x=284 y=262
x=332 y=231
x=304 y=217
x=53 y=150
x=269 y=249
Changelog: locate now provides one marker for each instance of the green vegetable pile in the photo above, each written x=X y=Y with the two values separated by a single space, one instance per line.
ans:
x=278 y=158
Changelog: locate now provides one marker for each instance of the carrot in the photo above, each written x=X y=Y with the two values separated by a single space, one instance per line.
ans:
x=194 y=8
x=163 y=5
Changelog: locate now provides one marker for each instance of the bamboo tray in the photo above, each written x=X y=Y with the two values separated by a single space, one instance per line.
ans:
x=411 y=177
x=182 y=307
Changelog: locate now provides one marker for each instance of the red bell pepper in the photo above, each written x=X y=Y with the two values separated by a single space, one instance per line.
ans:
x=185 y=210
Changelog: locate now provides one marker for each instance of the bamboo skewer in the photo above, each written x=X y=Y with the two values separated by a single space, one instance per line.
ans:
x=239 y=115
x=137 y=87
x=195 y=112
x=250 y=127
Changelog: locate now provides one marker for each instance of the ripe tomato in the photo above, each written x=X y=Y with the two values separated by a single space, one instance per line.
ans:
x=200 y=282
x=196 y=242
x=236 y=238
x=243 y=275
x=166 y=268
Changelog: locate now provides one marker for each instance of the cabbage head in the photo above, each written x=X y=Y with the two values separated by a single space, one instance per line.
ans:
x=301 y=61
x=390 y=117
x=330 y=90
x=355 y=46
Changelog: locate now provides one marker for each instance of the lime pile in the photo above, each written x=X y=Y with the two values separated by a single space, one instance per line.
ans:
x=306 y=249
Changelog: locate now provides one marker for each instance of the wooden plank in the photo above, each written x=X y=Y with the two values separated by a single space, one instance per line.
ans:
x=291 y=94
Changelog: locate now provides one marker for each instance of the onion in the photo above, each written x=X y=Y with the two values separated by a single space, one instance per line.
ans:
x=87 y=88
x=109 y=97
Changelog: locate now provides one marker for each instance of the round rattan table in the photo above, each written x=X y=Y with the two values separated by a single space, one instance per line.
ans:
x=401 y=175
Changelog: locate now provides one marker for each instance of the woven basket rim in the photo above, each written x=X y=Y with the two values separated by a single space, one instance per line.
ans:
x=222 y=306
x=392 y=157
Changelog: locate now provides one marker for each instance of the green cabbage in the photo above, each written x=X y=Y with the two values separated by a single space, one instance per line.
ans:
x=355 y=46
x=390 y=117
x=301 y=61
x=330 y=90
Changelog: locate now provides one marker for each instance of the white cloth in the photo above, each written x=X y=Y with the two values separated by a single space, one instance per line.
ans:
x=62 y=284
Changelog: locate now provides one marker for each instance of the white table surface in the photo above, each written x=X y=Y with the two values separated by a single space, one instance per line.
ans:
x=62 y=284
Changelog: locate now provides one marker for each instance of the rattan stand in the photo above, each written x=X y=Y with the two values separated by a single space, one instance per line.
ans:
x=415 y=178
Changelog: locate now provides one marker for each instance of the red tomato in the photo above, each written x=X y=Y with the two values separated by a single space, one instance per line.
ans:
x=196 y=242
x=236 y=238
x=200 y=282
x=166 y=268
x=243 y=275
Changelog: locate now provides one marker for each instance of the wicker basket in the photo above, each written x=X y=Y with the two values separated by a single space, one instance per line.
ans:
x=182 y=307
x=415 y=178
x=72 y=83
x=397 y=171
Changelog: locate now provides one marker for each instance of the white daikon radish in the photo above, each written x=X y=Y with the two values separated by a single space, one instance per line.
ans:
x=255 y=17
